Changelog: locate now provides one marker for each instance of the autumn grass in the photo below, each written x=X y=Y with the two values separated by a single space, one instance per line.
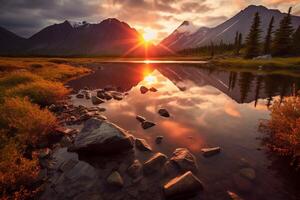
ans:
x=27 y=87
x=283 y=128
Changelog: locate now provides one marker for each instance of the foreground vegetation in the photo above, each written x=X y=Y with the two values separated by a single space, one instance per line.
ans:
x=283 y=129
x=27 y=87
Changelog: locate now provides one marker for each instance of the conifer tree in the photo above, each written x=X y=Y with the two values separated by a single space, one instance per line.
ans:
x=296 y=42
x=268 y=39
x=240 y=43
x=253 y=38
x=283 y=36
x=212 y=49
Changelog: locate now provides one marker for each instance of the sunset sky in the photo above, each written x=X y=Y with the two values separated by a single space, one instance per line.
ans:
x=26 y=17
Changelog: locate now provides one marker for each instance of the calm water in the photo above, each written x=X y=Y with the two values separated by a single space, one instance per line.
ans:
x=208 y=108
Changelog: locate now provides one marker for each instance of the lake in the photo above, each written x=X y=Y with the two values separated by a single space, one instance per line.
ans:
x=209 y=107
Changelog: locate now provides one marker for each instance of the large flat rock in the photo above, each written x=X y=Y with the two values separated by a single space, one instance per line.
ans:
x=102 y=137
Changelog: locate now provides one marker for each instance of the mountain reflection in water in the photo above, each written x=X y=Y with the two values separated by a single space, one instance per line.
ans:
x=208 y=107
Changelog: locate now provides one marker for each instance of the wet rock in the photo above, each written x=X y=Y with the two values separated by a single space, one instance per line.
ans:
x=135 y=169
x=101 y=109
x=88 y=95
x=183 y=186
x=248 y=173
x=140 y=118
x=155 y=163
x=102 y=137
x=159 y=139
x=153 y=89
x=163 y=112
x=233 y=196
x=185 y=161
x=99 y=116
x=147 y=124
x=66 y=131
x=79 y=96
x=67 y=165
x=117 y=95
x=115 y=179
x=96 y=100
x=66 y=141
x=207 y=152
x=142 y=145
x=143 y=89
x=44 y=153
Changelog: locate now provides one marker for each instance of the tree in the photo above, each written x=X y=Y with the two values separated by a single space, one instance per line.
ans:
x=240 y=43
x=253 y=38
x=283 y=36
x=212 y=49
x=268 y=39
x=296 y=42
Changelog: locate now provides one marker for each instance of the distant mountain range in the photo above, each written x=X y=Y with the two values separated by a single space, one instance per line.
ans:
x=113 y=37
x=225 y=32
x=109 y=37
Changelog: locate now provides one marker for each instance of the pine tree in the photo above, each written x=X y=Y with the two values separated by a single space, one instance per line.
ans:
x=236 y=43
x=296 y=42
x=240 y=43
x=283 y=36
x=268 y=39
x=253 y=38
x=212 y=49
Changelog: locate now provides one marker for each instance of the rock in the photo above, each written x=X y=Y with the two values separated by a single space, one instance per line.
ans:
x=44 y=153
x=155 y=163
x=263 y=57
x=248 y=173
x=142 y=145
x=163 y=112
x=101 y=109
x=115 y=179
x=185 y=161
x=102 y=137
x=207 y=152
x=135 y=169
x=67 y=165
x=233 y=196
x=143 y=89
x=183 y=186
x=147 y=124
x=140 y=118
x=88 y=95
x=96 y=100
x=66 y=131
x=99 y=116
x=159 y=139
x=153 y=89
x=79 y=96
x=117 y=95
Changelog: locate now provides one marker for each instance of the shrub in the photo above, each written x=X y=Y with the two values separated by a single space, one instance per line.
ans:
x=16 y=78
x=42 y=92
x=17 y=174
x=26 y=121
x=283 y=128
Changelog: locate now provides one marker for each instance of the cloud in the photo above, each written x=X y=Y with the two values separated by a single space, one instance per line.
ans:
x=195 y=7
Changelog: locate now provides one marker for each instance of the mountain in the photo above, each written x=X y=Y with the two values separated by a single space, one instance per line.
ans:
x=225 y=32
x=109 y=37
x=10 y=42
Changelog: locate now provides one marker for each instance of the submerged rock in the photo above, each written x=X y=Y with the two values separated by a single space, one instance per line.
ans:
x=135 y=169
x=102 y=137
x=155 y=163
x=147 y=124
x=159 y=139
x=184 y=159
x=79 y=96
x=183 y=186
x=140 y=118
x=142 y=145
x=96 y=100
x=115 y=179
x=143 y=89
x=210 y=151
x=163 y=112
x=153 y=89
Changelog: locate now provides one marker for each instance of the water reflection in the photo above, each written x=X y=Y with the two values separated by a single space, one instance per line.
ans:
x=208 y=107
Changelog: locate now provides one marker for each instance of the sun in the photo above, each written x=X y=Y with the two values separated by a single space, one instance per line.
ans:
x=149 y=35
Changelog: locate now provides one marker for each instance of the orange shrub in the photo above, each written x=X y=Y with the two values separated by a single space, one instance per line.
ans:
x=28 y=122
x=41 y=92
x=17 y=174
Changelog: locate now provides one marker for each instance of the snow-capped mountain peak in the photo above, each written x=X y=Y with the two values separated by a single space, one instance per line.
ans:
x=75 y=24
x=187 y=27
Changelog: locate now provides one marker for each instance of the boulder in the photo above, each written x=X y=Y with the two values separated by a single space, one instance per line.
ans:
x=142 y=145
x=79 y=96
x=184 y=160
x=140 y=118
x=143 y=89
x=115 y=179
x=163 y=112
x=96 y=100
x=117 y=95
x=207 y=152
x=147 y=124
x=135 y=169
x=155 y=163
x=153 y=89
x=102 y=137
x=183 y=186
x=159 y=139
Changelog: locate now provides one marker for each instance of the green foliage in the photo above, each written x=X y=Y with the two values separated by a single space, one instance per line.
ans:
x=253 y=38
x=296 y=42
x=282 y=44
x=268 y=39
